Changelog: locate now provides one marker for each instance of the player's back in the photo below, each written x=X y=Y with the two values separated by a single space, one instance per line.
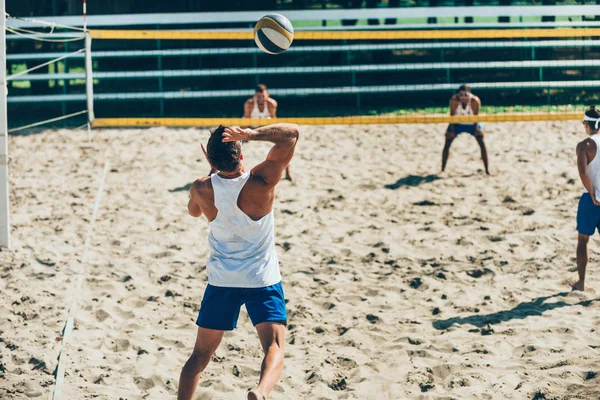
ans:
x=242 y=248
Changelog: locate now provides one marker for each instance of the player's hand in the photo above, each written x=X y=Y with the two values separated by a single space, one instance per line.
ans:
x=594 y=199
x=234 y=134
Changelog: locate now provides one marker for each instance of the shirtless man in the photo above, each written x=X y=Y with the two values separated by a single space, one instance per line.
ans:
x=588 y=212
x=243 y=267
x=465 y=103
x=261 y=105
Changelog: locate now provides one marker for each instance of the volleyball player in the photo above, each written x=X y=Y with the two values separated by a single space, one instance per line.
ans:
x=261 y=105
x=465 y=103
x=242 y=267
x=588 y=212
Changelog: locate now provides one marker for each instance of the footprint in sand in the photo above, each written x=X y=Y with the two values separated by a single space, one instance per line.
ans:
x=123 y=314
x=415 y=283
x=346 y=363
x=342 y=330
x=338 y=384
x=444 y=370
x=143 y=384
x=121 y=345
x=373 y=318
x=478 y=273
x=101 y=315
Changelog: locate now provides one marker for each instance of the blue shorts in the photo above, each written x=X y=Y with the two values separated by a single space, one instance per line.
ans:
x=588 y=216
x=220 y=306
x=460 y=128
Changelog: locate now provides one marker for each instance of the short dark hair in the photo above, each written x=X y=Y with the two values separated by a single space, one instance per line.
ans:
x=223 y=156
x=592 y=112
x=464 y=87
x=260 y=88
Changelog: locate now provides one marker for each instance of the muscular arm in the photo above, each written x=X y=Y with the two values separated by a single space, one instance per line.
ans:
x=247 y=108
x=193 y=207
x=582 y=162
x=284 y=138
x=475 y=106
x=272 y=104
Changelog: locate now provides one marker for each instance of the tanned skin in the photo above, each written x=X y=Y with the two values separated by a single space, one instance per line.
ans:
x=461 y=99
x=586 y=151
x=256 y=201
x=263 y=99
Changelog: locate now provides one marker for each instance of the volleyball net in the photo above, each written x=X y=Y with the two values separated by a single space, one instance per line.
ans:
x=203 y=78
x=349 y=77
x=36 y=72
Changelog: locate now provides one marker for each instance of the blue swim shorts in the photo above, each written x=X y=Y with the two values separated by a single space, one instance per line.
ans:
x=460 y=128
x=220 y=306
x=588 y=216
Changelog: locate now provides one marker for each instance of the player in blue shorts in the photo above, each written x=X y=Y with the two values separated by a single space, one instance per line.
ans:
x=465 y=103
x=588 y=212
x=243 y=268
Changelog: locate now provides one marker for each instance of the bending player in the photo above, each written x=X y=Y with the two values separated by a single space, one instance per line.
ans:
x=261 y=105
x=243 y=267
x=465 y=103
x=588 y=212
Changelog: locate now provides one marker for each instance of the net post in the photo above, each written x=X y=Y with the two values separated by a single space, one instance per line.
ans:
x=89 y=78
x=4 y=205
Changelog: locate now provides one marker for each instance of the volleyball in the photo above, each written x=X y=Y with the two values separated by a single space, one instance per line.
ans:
x=273 y=33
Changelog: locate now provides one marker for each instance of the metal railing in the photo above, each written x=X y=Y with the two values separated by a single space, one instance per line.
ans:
x=206 y=94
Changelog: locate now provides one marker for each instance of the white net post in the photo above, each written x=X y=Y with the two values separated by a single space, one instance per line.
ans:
x=4 y=214
x=89 y=79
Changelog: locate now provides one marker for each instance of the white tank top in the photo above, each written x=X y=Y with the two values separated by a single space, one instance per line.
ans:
x=593 y=168
x=242 y=251
x=256 y=113
x=460 y=110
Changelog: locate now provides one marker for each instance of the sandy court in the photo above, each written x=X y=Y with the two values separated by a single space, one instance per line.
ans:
x=401 y=283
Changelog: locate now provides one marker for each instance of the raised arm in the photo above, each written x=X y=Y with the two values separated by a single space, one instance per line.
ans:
x=284 y=138
x=272 y=104
x=582 y=163
x=248 y=108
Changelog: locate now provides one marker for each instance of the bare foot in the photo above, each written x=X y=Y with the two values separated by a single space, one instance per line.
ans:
x=578 y=286
x=256 y=395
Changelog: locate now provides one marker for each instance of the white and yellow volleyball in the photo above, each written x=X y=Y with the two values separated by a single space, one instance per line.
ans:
x=273 y=34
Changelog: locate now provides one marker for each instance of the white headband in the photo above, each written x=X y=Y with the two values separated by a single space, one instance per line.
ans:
x=590 y=119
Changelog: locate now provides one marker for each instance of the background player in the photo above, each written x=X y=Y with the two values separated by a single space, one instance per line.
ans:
x=261 y=105
x=588 y=212
x=465 y=103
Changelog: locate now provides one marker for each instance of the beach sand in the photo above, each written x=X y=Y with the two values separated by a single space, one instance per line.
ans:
x=402 y=283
